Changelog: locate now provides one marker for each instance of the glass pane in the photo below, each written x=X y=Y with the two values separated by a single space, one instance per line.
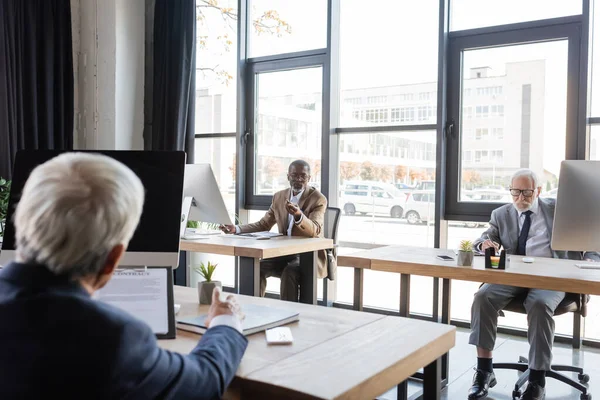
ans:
x=514 y=102
x=595 y=142
x=595 y=57
x=288 y=126
x=592 y=322
x=220 y=154
x=216 y=81
x=469 y=14
x=397 y=91
x=286 y=26
x=387 y=194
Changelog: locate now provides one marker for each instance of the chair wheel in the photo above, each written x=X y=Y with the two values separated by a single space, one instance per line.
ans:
x=583 y=378
x=586 y=396
x=516 y=394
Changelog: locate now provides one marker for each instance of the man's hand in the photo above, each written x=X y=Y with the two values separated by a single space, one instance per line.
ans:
x=228 y=307
x=293 y=209
x=488 y=243
x=227 y=228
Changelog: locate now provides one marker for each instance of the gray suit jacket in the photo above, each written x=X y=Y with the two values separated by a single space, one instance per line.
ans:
x=504 y=229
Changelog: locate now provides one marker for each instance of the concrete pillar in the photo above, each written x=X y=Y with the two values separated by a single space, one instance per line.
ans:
x=109 y=72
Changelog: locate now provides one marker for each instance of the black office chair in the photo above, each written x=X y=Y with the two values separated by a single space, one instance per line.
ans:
x=575 y=303
x=332 y=222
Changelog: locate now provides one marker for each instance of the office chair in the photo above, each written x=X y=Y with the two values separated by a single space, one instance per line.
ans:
x=332 y=222
x=575 y=303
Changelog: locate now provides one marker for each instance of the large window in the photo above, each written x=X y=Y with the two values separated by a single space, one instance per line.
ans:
x=215 y=118
x=371 y=71
x=526 y=112
x=469 y=14
x=512 y=93
x=534 y=82
x=287 y=26
x=595 y=57
x=287 y=125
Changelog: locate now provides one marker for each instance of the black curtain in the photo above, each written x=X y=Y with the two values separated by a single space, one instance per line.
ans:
x=174 y=77
x=36 y=78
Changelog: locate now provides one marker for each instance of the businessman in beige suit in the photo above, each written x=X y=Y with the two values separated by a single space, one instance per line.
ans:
x=297 y=211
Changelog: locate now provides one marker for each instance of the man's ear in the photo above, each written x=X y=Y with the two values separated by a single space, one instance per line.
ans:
x=539 y=190
x=112 y=261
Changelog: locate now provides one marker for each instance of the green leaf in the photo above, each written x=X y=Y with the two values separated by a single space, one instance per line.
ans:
x=206 y=271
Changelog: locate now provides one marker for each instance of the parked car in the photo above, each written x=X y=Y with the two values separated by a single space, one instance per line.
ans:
x=420 y=206
x=371 y=197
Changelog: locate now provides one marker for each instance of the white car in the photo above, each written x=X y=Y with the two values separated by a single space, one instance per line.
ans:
x=420 y=207
x=371 y=197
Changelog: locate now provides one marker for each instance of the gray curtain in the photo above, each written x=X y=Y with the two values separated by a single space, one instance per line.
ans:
x=173 y=69
x=36 y=78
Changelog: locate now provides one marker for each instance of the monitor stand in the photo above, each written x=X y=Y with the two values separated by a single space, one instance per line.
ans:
x=185 y=213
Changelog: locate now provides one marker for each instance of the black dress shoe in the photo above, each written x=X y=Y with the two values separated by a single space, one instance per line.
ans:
x=482 y=381
x=533 y=392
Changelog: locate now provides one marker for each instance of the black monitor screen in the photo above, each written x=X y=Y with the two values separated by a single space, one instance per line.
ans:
x=161 y=173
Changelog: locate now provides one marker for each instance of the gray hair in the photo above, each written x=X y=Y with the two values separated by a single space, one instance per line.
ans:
x=526 y=173
x=74 y=209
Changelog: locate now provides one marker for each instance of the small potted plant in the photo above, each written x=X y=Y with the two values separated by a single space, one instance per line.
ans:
x=465 y=254
x=206 y=287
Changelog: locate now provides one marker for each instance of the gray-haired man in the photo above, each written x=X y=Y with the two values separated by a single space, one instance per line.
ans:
x=524 y=228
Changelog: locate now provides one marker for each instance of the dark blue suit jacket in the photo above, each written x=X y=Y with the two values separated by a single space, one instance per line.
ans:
x=56 y=341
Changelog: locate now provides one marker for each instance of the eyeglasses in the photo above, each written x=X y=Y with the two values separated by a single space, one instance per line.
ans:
x=299 y=176
x=524 y=192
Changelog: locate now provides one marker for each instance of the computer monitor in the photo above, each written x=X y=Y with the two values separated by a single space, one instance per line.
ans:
x=202 y=199
x=155 y=241
x=577 y=214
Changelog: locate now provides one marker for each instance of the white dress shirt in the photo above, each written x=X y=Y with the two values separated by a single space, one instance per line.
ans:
x=294 y=199
x=538 y=240
x=227 y=320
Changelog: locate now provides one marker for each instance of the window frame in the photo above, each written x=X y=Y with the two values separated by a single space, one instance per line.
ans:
x=568 y=28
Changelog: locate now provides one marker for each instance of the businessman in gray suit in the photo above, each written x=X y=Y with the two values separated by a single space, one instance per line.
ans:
x=523 y=228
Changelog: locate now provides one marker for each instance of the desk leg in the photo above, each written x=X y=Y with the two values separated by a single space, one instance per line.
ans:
x=432 y=385
x=404 y=295
x=250 y=276
x=402 y=393
x=358 y=289
x=308 y=277
x=446 y=297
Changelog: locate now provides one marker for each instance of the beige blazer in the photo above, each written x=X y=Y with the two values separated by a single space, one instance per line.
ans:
x=313 y=205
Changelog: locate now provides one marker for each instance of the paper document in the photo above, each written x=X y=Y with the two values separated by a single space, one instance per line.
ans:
x=256 y=235
x=142 y=294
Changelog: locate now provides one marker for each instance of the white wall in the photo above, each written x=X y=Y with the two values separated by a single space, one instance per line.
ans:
x=109 y=73
x=130 y=74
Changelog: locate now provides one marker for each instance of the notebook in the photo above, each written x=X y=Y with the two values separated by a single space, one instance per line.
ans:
x=258 y=319
x=260 y=235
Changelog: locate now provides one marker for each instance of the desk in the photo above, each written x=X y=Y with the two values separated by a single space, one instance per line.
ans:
x=251 y=251
x=336 y=354
x=544 y=273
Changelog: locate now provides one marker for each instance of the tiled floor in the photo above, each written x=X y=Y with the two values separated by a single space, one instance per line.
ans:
x=508 y=349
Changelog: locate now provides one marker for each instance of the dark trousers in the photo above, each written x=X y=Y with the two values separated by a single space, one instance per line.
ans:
x=287 y=268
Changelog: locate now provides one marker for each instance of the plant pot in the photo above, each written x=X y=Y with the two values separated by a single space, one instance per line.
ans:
x=464 y=259
x=205 y=291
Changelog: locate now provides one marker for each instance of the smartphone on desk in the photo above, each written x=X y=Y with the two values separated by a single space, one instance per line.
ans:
x=445 y=258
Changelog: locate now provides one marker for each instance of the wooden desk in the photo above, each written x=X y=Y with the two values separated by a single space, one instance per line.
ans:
x=336 y=354
x=544 y=273
x=251 y=251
